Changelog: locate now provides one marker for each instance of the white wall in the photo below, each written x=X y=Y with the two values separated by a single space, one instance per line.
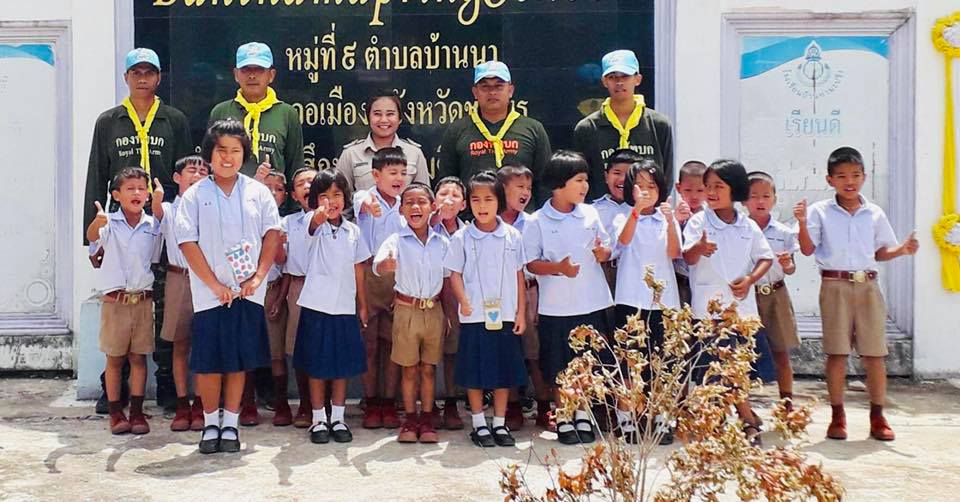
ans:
x=93 y=90
x=698 y=135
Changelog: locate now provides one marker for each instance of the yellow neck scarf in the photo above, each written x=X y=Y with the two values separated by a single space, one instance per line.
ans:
x=632 y=120
x=497 y=140
x=143 y=132
x=253 y=115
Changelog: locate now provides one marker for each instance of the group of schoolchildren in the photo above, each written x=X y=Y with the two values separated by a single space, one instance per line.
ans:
x=463 y=275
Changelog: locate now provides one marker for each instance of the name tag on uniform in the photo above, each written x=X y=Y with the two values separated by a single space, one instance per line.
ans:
x=492 y=315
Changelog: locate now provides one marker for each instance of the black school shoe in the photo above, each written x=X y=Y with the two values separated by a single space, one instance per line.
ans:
x=229 y=445
x=208 y=446
x=320 y=433
x=485 y=440
x=586 y=436
x=568 y=437
x=503 y=438
x=340 y=435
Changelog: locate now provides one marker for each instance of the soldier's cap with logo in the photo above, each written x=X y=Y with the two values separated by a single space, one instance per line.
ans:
x=491 y=69
x=620 y=61
x=254 y=54
x=142 y=55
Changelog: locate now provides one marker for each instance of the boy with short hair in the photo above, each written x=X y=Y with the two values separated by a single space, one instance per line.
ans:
x=178 y=311
x=849 y=235
x=415 y=256
x=692 y=195
x=378 y=216
x=451 y=201
x=773 y=299
x=130 y=239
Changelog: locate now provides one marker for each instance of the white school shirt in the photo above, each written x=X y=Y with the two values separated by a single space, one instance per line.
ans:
x=442 y=230
x=551 y=235
x=375 y=230
x=609 y=209
x=740 y=245
x=168 y=229
x=648 y=247
x=298 y=243
x=847 y=241
x=127 y=253
x=331 y=283
x=420 y=269
x=489 y=262
x=217 y=222
x=782 y=239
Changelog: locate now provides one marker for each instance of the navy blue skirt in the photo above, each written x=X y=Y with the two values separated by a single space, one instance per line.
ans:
x=554 y=333
x=329 y=346
x=230 y=339
x=489 y=359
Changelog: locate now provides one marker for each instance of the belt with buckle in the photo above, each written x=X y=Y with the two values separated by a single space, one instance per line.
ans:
x=173 y=269
x=769 y=288
x=855 y=276
x=420 y=303
x=125 y=298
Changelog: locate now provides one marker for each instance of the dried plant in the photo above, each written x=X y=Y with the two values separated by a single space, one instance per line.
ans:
x=629 y=374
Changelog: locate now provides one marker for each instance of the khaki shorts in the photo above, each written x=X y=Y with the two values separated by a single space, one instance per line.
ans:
x=530 y=338
x=293 y=311
x=776 y=313
x=417 y=335
x=126 y=328
x=853 y=315
x=178 y=308
x=276 y=328
x=379 y=293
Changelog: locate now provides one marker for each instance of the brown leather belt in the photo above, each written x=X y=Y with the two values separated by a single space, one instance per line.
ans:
x=173 y=269
x=122 y=297
x=856 y=276
x=768 y=289
x=420 y=303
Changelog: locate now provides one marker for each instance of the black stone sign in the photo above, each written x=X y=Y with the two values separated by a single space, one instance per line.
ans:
x=330 y=54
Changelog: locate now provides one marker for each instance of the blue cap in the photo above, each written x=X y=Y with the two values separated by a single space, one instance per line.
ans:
x=142 y=55
x=491 y=69
x=254 y=54
x=621 y=61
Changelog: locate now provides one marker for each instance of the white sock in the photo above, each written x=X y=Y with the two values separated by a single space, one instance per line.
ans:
x=320 y=416
x=230 y=419
x=500 y=422
x=582 y=415
x=212 y=418
x=479 y=420
x=336 y=415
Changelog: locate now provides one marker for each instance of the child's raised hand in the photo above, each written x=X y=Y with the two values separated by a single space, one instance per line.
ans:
x=740 y=287
x=800 y=211
x=447 y=209
x=101 y=218
x=568 y=268
x=389 y=264
x=599 y=252
x=465 y=309
x=642 y=199
x=911 y=245
x=666 y=209
x=157 y=189
x=707 y=248
x=683 y=212
x=371 y=206
x=320 y=213
x=263 y=169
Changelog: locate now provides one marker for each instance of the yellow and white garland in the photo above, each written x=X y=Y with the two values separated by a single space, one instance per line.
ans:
x=946 y=233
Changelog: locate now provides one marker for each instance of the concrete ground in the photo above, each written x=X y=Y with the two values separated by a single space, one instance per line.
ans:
x=54 y=447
